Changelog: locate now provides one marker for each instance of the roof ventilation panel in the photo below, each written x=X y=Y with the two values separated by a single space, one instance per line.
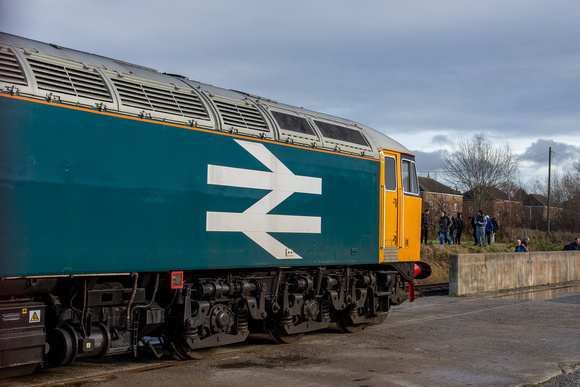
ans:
x=10 y=70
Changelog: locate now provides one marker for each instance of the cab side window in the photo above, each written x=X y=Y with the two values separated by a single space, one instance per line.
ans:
x=390 y=174
x=409 y=177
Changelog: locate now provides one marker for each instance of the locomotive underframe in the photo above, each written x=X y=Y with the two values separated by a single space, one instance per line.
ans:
x=104 y=315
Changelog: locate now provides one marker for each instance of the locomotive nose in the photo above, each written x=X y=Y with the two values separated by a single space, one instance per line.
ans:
x=422 y=270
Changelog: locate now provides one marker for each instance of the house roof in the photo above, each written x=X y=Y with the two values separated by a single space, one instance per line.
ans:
x=536 y=200
x=492 y=193
x=521 y=195
x=427 y=184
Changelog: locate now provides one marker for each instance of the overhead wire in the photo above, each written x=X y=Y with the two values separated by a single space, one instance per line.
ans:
x=564 y=157
x=533 y=157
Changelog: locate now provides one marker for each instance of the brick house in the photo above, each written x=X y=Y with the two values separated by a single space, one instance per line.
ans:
x=438 y=197
x=535 y=211
x=497 y=205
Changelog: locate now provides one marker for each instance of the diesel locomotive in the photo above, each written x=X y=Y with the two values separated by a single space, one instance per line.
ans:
x=136 y=204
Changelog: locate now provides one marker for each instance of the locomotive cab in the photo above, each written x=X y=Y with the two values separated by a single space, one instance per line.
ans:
x=400 y=208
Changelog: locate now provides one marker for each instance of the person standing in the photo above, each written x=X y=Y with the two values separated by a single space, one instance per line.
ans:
x=495 y=225
x=473 y=228
x=443 y=228
x=480 y=223
x=425 y=225
x=449 y=229
x=459 y=227
x=488 y=230
x=451 y=221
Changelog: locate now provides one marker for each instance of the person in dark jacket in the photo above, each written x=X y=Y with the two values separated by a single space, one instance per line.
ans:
x=495 y=225
x=451 y=225
x=444 y=229
x=459 y=227
x=488 y=230
x=473 y=228
x=425 y=225
x=525 y=242
x=574 y=245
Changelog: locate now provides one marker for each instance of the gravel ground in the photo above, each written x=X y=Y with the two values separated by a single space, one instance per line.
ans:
x=571 y=379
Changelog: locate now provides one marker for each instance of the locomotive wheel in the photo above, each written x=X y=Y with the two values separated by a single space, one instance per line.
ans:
x=282 y=337
x=185 y=353
x=349 y=327
x=63 y=345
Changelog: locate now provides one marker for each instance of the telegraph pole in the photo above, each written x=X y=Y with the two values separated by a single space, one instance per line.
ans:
x=549 y=184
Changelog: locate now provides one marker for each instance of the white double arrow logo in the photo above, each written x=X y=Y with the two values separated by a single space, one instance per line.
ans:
x=255 y=221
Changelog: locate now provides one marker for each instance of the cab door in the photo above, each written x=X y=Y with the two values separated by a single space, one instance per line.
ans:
x=391 y=206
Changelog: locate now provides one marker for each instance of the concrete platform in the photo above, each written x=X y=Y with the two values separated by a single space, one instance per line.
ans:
x=493 y=339
x=484 y=272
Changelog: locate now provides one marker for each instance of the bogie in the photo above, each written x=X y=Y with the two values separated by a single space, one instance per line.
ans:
x=94 y=317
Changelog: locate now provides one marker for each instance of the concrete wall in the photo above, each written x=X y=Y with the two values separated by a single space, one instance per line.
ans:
x=476 y=273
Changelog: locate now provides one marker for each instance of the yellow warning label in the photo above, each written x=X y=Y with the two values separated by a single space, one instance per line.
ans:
x=34 y=316
x=24 y=310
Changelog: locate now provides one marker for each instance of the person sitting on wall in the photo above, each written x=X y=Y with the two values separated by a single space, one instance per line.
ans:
x=574 y=245
x=525 y=241
x=521 y=248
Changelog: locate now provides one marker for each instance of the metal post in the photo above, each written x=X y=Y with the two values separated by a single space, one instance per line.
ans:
x=549 y=184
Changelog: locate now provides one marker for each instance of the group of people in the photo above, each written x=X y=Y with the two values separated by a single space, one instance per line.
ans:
x=450 y=228
x=484 y=229
x=574 y=245
x=522 y=246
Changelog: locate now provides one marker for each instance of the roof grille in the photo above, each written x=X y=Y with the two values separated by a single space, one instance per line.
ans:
x=341 y=133
x=160 y=100
x=10 y=70
x=245 y=116
x=68 y=80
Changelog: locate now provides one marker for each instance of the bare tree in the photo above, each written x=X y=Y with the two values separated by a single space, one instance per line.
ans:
x=475 y=165
x=564 y=198
x=512 y=174
x=569 y=199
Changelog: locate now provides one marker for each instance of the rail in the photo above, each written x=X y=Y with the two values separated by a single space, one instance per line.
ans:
x=432 y=289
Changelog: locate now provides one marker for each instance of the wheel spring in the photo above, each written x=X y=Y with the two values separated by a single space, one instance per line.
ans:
x=286 y=321
x=243 y=317
x=325 y=309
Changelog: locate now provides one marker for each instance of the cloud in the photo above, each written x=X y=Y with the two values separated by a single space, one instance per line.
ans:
x=562 y=153
x=422 y=72
x=428 y=162
x=440 y=139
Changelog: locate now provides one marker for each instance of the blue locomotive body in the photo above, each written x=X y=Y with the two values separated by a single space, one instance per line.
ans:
x=85 y=192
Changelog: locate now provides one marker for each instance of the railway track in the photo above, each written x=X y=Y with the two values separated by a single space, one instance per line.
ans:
x=432 y=289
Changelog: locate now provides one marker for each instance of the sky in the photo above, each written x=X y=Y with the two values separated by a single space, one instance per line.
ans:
x=427 y=73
